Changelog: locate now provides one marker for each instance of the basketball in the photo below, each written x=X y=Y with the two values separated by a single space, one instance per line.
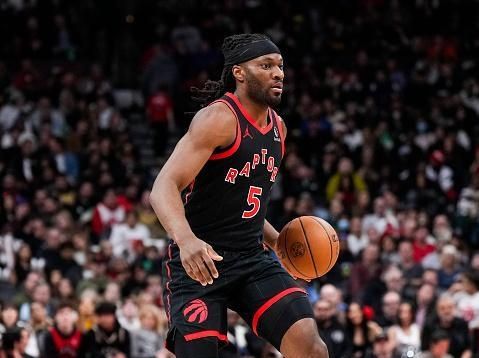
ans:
x=308 y=247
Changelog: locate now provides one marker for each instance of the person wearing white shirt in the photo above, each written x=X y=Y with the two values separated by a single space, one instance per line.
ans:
x=128 y=236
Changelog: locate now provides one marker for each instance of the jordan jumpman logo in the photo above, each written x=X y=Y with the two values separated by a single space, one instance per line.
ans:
x=246 y=133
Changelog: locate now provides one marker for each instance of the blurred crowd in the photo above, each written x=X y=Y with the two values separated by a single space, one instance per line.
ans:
x=381 y=102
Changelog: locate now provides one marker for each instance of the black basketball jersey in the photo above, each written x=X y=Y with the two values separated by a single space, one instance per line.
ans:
x=226 y=203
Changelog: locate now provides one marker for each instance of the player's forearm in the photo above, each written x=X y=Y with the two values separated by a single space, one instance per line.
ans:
x=166 y=201
x=270 y=235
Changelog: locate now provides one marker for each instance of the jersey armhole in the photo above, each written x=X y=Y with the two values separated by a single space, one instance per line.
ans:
x=233 y=147
x=280 y=129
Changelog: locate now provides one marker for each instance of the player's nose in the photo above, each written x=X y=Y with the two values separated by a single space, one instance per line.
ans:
x=278 y=74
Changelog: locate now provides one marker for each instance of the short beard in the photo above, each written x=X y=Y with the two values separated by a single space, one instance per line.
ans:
x=258 y=93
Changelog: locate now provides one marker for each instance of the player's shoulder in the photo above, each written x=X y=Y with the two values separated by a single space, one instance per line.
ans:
x=215 y=117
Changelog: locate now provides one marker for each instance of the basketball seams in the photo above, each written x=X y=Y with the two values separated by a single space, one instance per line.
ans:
x=329 y=239
x=309 y=248
x=286 y=248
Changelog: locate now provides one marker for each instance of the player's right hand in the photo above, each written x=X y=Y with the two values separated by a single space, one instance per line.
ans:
x=197 y=258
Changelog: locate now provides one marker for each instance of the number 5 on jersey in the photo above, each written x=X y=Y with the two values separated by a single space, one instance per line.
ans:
x=253 y=200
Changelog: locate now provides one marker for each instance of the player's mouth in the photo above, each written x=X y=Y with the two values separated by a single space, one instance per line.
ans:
x=278 y=88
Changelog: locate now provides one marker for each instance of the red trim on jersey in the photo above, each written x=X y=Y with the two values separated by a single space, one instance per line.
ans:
x=248 y=116
x=168 y=271
x=204 y=334
x=230 y=151
x=280 y=129
x=269 y=303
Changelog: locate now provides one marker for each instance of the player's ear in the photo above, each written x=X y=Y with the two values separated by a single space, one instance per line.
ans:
x=238 y=73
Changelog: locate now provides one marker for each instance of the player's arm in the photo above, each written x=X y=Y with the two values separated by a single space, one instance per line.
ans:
x=212 y=127
x=270 y=234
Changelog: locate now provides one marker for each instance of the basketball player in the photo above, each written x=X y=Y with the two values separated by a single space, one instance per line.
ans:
x=225 y=165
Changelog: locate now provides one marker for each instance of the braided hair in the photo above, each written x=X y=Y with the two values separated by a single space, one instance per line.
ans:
x=215 y=89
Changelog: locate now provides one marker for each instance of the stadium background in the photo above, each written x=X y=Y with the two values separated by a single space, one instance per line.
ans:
x=381 y=103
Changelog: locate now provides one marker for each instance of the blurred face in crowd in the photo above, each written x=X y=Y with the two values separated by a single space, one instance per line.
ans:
x=65 y=288
x=112 y=292
x=425 y=294
x=430 y=277
x=65 y=320
x=391 y=302
x=468 y=285
x=9 y=316
x=38 y=312
x=355 y=226
x=323 y=311
x=87 y=306
x=345 y=166
x=330 y=293
x=370 y=254
x=393 y=278
x=355 y=314
x=439 y=349
x=42 y=294
x=420 y=235
x=405 y=252
x=32 y=280
x=445 y=310
x=405 y=314
x=110 y=199
x=448 y=257
x=380 y=207
x=132 y=219
x=382 y=348
x=149 y=322
x=106 y=321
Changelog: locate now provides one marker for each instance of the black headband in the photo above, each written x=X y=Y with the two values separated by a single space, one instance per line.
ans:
x=249 y=51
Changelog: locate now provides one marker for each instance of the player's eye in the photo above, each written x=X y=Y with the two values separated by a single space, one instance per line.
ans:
x=281 y=67
x=265 y=66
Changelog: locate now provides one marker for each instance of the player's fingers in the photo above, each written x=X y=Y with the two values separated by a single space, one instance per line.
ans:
x=190 y=272
x=199 y=269
x=211 y=266
x=204 y=271
x=213 y=254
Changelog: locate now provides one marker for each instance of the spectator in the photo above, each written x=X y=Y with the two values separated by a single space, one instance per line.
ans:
x=64 y=339
x=360 y=330
x=357 y=241
x=405 y=335
x=107 y=213
x=456 y=328
x=160 y=114
x=331 y=331
x=345 y=183
x=129 y=237
x=365 y=271
x=425 y=298
x=107 y=337
x=449 y=267
x=40 y=324
x=439 y=346
x=468 y=304
x=14 y=342
x=148 y=341
x=391 y=304
x=382 y=347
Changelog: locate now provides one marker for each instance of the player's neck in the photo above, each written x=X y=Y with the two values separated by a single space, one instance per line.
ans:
x=257 y=111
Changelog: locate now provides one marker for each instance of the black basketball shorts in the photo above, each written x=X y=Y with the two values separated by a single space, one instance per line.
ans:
x=252 y=283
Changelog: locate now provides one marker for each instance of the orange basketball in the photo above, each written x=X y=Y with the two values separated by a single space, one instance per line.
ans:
x=308 y=247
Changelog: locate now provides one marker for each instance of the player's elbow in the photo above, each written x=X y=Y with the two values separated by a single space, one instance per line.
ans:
x=319 y=350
